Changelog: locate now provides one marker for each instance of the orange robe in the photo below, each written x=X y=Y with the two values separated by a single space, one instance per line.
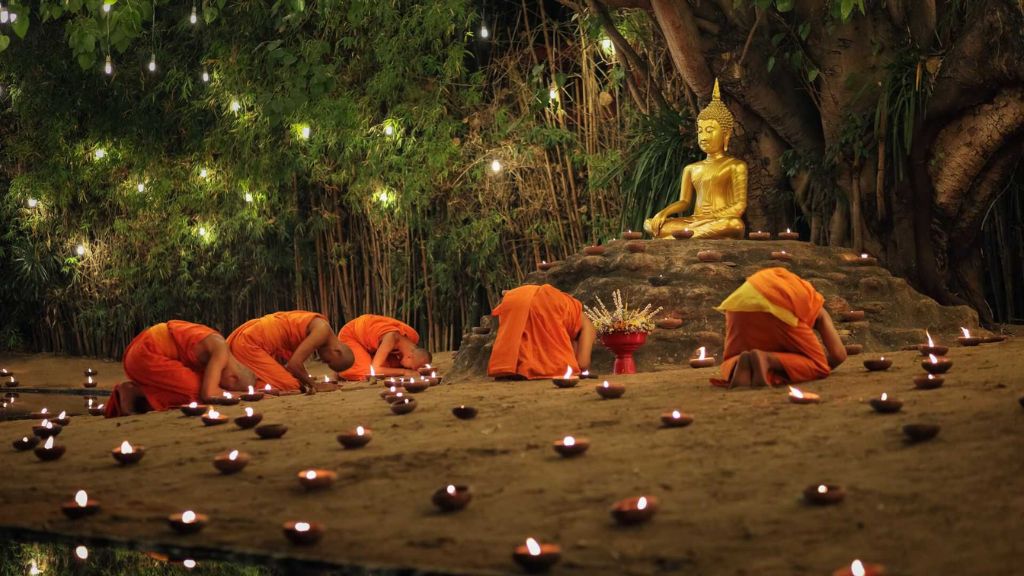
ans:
x=363 y=336
x=264 y=343
x=786 y=331
x=536 y=329
x=163 y=364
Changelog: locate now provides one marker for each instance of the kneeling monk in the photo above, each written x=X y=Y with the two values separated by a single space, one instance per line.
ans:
x=263 y=344
x=541 y=331
x=769 y=332
x=386 y=344
x=174 y=363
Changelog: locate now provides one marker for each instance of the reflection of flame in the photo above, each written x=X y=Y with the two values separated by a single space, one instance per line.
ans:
x=188 y=517
x=930 y=341
x=81 y=498
x=533 y=547
x=126 y=448
x=967 y=333
x=302 y=526
x=49 y=443
x=248 y=412
x=233 y=455
x=884 y=396
x=569 y=441
x=857 y=568
x=701 y=353
x=360 y=431
x=822 y=489
x=310 y=474
x=568 y=373
x=641 y=503
x=795 y=392
x=450 y=489
x=933 y=359
x=677 y=414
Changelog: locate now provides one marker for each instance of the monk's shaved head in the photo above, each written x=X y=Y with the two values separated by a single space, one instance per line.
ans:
x=336 y=355
x=421 y=356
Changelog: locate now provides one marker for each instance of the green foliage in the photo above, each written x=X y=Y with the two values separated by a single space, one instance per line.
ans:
x=903 y=100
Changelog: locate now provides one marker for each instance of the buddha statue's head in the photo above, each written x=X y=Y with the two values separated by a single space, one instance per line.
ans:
x=714 y=125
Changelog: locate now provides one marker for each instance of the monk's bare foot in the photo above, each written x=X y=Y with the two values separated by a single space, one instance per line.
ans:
x=761 y=363
x=741 y=374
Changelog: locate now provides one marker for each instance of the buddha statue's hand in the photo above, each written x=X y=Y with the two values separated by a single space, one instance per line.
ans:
x=655 y=223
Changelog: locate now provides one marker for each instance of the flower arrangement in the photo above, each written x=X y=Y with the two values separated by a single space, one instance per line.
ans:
x=622 y=319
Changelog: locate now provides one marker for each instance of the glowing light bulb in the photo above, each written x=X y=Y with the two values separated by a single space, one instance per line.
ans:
x=107 y=7
x=152 y=63
x=82 y=553
x=81 y=498
x=193 y=18
x=141 y=187
x=80 y=250
x=495 y=166
x=205 y=76
x=235 y=105
x=389 y=130
x=484 y=32
x=32 y=202
x=248 y=198
x=100 y=153
x=108 y=66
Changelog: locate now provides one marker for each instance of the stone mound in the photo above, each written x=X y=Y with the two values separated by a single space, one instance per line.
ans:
x=669 y=274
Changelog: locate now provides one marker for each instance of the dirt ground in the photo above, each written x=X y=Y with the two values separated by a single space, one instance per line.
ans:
x=729 y=485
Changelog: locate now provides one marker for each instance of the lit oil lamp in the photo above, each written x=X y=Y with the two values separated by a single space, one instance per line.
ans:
x=931 y=347
x=89 y=372
x=710 y=256
x=878 y=364
x=5 y=373
x=782 y=255
x=702 y=360
x=676 y=419
x=392 y=390
x=372 y=376
x=213 y=417
x=797 y=396
x=187 y=522
x=49 y=450
x=426 y=369
x=417 y=386
x=588 y=374
x=63 y=419
x=43 y=414
x=669 y=323
x=852 y=315
x=10 y=382
x=396 y=396
x=46 y=429
x=252 y=395
x=631 y=235
x=684 y=234
x=95 y=409
x=936 y=364
x=268 y=389
x=567 y=380
x=434 y=379
x=634 y=510
x=610 y=391
x=315 y=479
x=759 y=235
x=544 y=266
x=536 y=557
x=227 y=399
x=89 y=382
x=967 y=339
x=250 y=419
x=920 y=432
x=81 y=506
x=194 y=409
x=570 y=447
x=26 y=443
x=452 y=497
x=303 y=533
x=866 y=260
x=271 y=431
x=403 y=405
x=128 y=454
x=230 y=462
x=824 y=494
x=858 y=568
x=789 y=235
x=928 y=381
x=356 y=438
x=463 y=412
x=886 y=405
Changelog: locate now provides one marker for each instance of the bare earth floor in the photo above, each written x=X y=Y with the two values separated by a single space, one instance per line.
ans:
x=729 y=485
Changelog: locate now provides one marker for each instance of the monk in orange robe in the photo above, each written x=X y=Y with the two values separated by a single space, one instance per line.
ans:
x=541 y=332
x=277 y=345
x=174 y=363
x=386 y=344
x=770 y=324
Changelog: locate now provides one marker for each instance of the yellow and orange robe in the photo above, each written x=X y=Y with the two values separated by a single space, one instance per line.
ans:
x=775 y=311
x=536 y=329
x=363 y=335
x=163 y=364
x=264 y=343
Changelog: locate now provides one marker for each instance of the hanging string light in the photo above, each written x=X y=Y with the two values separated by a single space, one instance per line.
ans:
x=235 y=106
x=192 y=19
x=152 y=57
x=141 y=187
x=484 y=32
x=5 y=16
x=205 y=76
x=495 y=166
x=152 y=62
x=108 y=67
x=248 y=198
x=106 y=7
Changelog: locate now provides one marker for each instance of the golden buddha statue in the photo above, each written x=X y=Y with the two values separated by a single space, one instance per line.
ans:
x=719 y=183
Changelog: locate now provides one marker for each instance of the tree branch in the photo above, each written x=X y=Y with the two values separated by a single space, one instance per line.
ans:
x=683 y=38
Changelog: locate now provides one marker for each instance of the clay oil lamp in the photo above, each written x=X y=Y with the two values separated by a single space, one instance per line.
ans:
x=967 y=339
x=425 y=370
x=452 y=497
x=95 y=410
x=49 y=450
x=252 y=395
x=391 y=391
x=392 y=381
x=878 y=364
x=636 y=246
x=928 y=381
x=81 y=506
x=356 y=438
x=631 y=235
x=669 y=323
x=270 y=390
x=63 y=419
x=187 y=522
x=676 y=419
x=396 y=397
x=782 y=255
x=852 y=315
x=127 y=454
x=535 y=557
x=824 y=494
x=230 y=462
x=544 y=266
x=587 y=374
x=789 y=235
x=228 y=399
x=5 y=373
x=866 y=260
x=194 y=409
x=854 y=349
x=89 y=372
x=684 y=234
x=417 y=386
x=372 y=376
x=632 y=511
x=26 y=443
x=314 y=479
x=434 y=379
x=702 y=360
x=250 y=419
x=594 y=250
x=214 y=418
x=796 y=396
x=271 y=431
x=10 y=382
x=759 y=235
x=936 y=364
x=463 y=412
x=570 y=447
x=610 y=391
x=917 y=432
x=43 y=414
x=303 y=533
x=709 y=256
x=931 y=347
x=46 y=429
x=404 y=406
x=89 y=382
x=993 y=339
x=858 y=568
x=885 y=405
x=658 y=281
x=567 y=380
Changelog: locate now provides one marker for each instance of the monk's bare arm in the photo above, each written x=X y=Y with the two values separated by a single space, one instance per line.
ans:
x=318 y=335
x=835 y=351
x=585 y=342
x=216 y=350
x=387 y=344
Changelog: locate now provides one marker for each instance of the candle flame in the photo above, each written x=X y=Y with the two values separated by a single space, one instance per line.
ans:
x=450 y=489
x=24 y=438
x=393 y=389
x=795 y=392
x=44 y=411
x=268 y=388
x=427 y=366
x=233 y=455
x=33 y=569
x=248 y=412
x=193 y=405
x=605 y=385
x=252 y=390
x=857 y=568
x=188 y=517
x=63 y=414
x=360 y=431
x=82 y=553
x=822 y=489
x=568 y=372
x=213 y=414
x=930 y=341
x=227 y=395
x=126 y=448
x=46 y=424
x=641 y=503
x=373 y=373
x=569 y=441
x=933 y=359
x=532 y=547
x=433 y=374
x=49 y=443
x=863 y=254
x=884 y=396
x=302 y=526
x=967 y=333
x=701 y=351
x=310 y=474
x=189 y=563
x=676 y=414
x=90 y=403
x=81 y=498
x=585 y=373
x=101 y=405
x=788 y=231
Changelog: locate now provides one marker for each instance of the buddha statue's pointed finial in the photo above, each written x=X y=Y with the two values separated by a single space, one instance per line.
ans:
x=717 y=111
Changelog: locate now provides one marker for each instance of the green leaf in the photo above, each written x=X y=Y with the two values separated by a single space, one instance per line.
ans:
x=86 y=60
x=783 y=5
x=845 y=8
x=210 y=14
x=804 y=30
x=20 y=25
x=812 y=74
x=4 y=42
x=771 y=63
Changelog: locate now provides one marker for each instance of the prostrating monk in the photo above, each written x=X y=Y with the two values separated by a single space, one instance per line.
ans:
x=277 y=345
x=541 y=331
x=769 y=332
x=386 y=344
x=174 y=363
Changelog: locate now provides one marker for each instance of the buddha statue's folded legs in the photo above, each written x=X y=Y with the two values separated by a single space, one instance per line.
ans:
x=716 y=228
